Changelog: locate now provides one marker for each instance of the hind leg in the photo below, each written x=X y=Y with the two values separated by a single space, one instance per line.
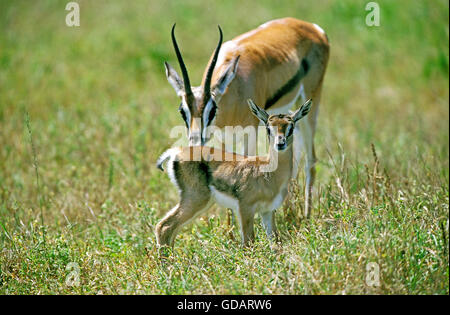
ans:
x=268 y=221
x=246 y=216
x=310 y=169
x=167 y=229
x=226 y=146
x=307 y=128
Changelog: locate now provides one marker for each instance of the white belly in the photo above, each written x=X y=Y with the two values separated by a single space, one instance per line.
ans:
x=227 y=201
x=224 y=200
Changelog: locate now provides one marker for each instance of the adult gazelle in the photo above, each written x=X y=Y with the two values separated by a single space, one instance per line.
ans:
x=241 y=183
x=277 y=65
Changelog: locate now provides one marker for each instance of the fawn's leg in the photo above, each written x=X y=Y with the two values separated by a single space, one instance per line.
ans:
x=246 y=216
x=182 y=213
x=268 y=220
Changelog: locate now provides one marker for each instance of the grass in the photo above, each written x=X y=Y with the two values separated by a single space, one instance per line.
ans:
x=85 y=112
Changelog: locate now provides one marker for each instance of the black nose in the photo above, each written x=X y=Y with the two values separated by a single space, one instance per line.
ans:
x=281 y=146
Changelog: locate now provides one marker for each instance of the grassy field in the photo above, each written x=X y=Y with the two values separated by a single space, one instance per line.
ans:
x=85 y=112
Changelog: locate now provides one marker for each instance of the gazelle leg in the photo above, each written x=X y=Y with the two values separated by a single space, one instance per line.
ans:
x=182 y=213
x=246 y=221
x=307 y=128
x=268 y=220
x=297 y=147
x=310 y=170
x=231 y=221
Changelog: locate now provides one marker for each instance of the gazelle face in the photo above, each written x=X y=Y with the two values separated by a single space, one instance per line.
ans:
x=198 y=106
x=197 y=116
x=280 y=128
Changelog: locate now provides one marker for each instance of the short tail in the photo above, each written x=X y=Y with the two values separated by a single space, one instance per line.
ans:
x=163 y=158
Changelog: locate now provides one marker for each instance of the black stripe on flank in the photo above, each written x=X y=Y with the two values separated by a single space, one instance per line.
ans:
x=305 y=66
x=290 y=85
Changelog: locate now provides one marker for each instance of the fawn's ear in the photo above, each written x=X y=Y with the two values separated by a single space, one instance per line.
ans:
x=302 y=111
x=258 y=112
x=174 y=79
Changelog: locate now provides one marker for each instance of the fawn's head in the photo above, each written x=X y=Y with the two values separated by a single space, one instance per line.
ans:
x=280 y=128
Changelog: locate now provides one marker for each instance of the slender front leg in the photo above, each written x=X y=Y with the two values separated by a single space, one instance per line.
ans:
x=231 y=222
x=307 y=128
x=168 y=227
x=268 y=220
x=246 y=220
x=307 y=138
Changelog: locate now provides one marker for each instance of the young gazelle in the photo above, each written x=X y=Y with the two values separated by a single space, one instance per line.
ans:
x=277 y=65
x=241 y=183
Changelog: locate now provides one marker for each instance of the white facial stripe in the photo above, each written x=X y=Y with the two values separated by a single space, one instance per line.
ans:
x=170 y=171
x=209 y=106
x=206 y=112
x=185 y=107
x=272 y=131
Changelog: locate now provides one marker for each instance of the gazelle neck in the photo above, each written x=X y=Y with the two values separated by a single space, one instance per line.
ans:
x=281 y=160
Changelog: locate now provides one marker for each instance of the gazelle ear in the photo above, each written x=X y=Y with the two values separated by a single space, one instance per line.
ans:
x=258 y=112
x=226 y=78
x=302 y=111
x=174 y=79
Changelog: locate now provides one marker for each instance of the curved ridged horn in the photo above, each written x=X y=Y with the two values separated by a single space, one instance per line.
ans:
x=187 y=83
x=207 y=85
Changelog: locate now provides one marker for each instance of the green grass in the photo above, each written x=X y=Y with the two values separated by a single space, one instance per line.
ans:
x=100 y=111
